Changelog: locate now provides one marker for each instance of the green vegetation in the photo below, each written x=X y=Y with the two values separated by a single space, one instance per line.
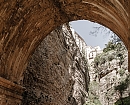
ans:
x=110 y=46
x=112 y=58
x=94 y=102
x=126 y=101
x=121 y=89
x=100 y=59
x=114 y=50
x=93 y=97
x=110 y=52
x=121 y=71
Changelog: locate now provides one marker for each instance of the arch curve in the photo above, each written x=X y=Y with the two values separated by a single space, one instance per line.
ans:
x=24 y=24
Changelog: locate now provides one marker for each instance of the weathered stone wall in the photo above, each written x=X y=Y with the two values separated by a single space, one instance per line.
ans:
x=24 y=24
x=10 y=93
x=56 y=73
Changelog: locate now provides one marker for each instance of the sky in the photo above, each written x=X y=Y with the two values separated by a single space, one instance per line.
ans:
x=84 y=27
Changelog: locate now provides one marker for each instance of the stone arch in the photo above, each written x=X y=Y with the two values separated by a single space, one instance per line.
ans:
x=24 y=24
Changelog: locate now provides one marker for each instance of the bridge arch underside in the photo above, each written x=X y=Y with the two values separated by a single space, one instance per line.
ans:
x=25 y=23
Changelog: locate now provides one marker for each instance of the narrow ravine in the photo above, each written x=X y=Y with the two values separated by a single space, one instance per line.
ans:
x=65 y=71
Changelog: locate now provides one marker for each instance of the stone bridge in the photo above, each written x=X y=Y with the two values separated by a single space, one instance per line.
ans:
x=25 y=23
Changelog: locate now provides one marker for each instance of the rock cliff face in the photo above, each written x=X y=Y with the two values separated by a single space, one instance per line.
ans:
x=111 y=79
x=57 y=73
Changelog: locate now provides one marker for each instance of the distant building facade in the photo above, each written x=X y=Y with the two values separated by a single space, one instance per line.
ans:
x=88 y=51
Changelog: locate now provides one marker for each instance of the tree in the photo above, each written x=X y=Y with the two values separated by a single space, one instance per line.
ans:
x=115 y=38
x=110 y=46
x=122 y=87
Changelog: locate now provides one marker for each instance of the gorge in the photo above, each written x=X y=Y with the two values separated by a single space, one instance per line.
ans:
x=64 y=74
x=24 y=25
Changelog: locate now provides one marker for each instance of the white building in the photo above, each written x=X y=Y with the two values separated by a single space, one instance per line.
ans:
x=92 y=52
x=88 y=51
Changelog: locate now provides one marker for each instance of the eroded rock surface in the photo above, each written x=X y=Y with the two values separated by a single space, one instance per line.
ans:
x=110 y=79
x=56 y=73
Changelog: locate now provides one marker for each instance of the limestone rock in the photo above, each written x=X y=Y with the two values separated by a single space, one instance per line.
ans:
x=56 y=73
x=108 y=76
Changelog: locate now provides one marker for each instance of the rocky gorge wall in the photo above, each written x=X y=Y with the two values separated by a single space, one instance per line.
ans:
x=115 y=85
x=57 y=73
x=111 y=79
